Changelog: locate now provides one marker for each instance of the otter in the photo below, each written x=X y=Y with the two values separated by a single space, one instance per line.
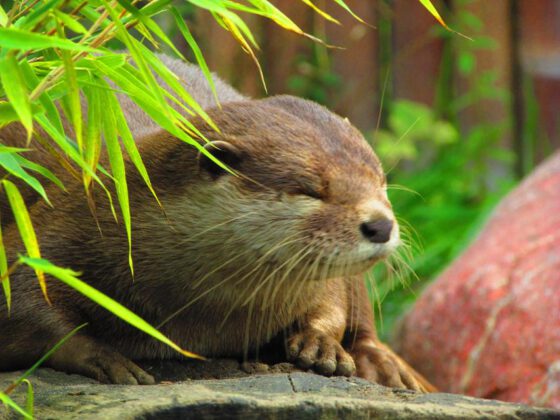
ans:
x=271 y=252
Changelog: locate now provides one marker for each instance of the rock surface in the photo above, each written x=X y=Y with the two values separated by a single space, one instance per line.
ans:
x=490 y=325
x=280 y=392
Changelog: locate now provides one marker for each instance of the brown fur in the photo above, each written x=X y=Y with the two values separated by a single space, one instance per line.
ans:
x=237 y=261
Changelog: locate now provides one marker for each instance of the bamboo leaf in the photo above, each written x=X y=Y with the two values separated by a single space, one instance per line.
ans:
x=117 y=169
x=4 y=273
x=50 y=109
x=25 y=227
x=342 y=4
x=16 y=91
x=130 y=144
x=30 y=398
x=36 y=14
x=18 y=39
x=321 y=12
x=150 y=24
x=8 y=402
x=133 y=87
x=73 y=93
x=70 y=22
x=10 y=163
x=26 y=163
x=8 y=113
x=173 y=82
x=184 y=29
x=68 y=277
x=3 y=17
x=92 y=145
x=430 y=7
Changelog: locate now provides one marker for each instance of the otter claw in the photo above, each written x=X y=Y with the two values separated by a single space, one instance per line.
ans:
x=322 y=353
x=376 y=364
x=85 y=356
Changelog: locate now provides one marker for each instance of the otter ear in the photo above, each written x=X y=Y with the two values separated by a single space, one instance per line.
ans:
x=225 y=152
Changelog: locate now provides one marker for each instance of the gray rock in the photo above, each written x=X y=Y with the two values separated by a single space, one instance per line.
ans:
x=224 y=389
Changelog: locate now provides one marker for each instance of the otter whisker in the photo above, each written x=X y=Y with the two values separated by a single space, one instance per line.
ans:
x=202 y=232
x=235 y=304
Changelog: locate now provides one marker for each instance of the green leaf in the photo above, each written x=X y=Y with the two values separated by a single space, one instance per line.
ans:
x=73 y=94
x=342 y=4
x=173 y=82
x=26 y=163
x=10 y=163
x=18 y=39
x=25 y=227
x=36 y=14
x=430 y=7
x=16 y=91
x=70 y=22
x=30 y=398
x=5 y=279
x=8 y=402
x=184 y=29
x=68 y=277
x=47 y=103
x=129 y=143
x=117 y=168
x=3 y=16
x=8 y=113
x=150 y=24
x=92 y=145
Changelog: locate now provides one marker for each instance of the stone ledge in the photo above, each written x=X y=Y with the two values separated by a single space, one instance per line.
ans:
x=280 y=392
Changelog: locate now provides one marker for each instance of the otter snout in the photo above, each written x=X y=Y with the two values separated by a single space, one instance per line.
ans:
x=377 y=231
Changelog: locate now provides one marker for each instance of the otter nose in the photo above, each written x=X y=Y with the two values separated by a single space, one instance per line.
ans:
x=377 y=231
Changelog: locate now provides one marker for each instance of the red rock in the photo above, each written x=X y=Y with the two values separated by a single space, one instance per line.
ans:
x=489 y=326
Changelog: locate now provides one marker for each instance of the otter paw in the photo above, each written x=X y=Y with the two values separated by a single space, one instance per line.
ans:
x=98 y=362
x=379 y=365
x=322 y=353
x=116 y=369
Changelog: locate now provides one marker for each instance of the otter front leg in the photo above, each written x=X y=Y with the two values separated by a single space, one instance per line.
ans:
x=317 y=342
x=86 y=356
x=374 y=360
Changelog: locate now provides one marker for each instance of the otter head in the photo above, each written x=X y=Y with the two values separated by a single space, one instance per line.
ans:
x=308 y=196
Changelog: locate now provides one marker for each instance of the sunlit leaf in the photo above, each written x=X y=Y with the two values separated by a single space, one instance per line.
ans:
x=29 y=403
x=9 y=162
x=430 y=7
x=23 y=40
x=117 y=168
x=183 y=28
x=26 y=163
x=16 y=90
x=36 y=14
x=150 y=24
x=5 y=279
x=25 y=227
x=70 y=22
x=73 y=94
x=129 y=143
x=342 y=4
x=68 y=277
x=3 y=16
x=46 y=102
x=8 y=402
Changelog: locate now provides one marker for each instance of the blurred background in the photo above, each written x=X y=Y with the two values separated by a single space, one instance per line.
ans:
x=457 y=122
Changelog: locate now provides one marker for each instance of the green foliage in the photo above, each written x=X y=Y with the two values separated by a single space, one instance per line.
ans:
x=443 y=180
